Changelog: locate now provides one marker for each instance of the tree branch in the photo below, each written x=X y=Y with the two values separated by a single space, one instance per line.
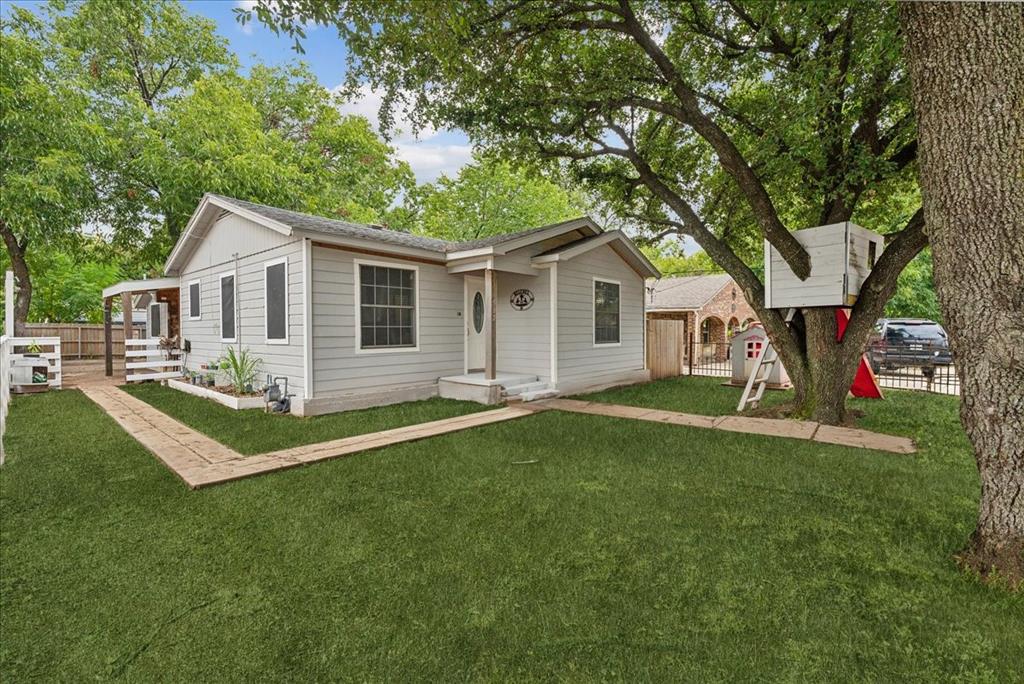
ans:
x=729 y=156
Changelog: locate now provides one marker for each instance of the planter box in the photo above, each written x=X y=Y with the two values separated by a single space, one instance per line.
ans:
x=228 y=400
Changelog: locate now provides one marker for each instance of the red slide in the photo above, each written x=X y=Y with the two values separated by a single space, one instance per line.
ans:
x=865 y=384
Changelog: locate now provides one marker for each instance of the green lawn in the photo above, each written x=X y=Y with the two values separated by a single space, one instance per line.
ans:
x=254 y=432
x=630 y=551
x=694 y=394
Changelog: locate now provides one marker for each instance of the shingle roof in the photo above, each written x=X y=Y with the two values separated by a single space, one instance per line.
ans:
x=686 y=292
x=319 y=224
x=496 y=240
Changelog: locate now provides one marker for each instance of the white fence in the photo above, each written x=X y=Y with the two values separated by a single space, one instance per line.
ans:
x=145 y=359
x=5 y=392
x=14 y=351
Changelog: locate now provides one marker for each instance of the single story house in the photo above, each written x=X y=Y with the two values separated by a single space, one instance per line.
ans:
x=358 y=315
x=710 y=307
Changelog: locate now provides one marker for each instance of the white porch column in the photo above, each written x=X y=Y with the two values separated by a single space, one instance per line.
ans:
x=490 y=318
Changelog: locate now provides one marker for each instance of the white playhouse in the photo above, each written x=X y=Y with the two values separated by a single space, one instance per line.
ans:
x=842 y=255
x=746 y=350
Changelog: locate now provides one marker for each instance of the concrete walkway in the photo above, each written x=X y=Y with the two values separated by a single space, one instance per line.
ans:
x=201 y=461
x=794 y=429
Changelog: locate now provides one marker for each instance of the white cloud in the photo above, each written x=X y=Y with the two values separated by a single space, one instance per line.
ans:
x=430 y=152
x=429 y=160
x=368 y=102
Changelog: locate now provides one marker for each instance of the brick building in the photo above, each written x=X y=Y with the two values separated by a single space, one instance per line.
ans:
x=711 y=307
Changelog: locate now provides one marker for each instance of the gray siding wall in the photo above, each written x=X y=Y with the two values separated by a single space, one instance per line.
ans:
x=524 y=337
x=339 y=369
x=578 y=358
x=255 y=246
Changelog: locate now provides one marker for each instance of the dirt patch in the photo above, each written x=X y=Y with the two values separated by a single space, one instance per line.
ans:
x=784 y=411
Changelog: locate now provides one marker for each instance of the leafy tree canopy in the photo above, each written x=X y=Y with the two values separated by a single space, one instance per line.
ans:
x=730 y=121
x=121 y=115
x=672 y=261
x=489 y=197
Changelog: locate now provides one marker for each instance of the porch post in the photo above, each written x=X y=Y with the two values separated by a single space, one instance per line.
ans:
x=108 y=337
x=126 y=309
x=490 y=317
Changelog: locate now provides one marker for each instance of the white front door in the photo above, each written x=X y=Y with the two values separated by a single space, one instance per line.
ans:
x=475 y=348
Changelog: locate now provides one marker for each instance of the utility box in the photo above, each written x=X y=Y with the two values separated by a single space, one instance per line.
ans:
x=842 y=256
x=745 y=348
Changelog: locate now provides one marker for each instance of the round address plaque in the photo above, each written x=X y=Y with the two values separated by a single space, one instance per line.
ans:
x=521 y=300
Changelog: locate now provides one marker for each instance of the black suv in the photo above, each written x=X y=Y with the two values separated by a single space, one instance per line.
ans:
x=908 y=342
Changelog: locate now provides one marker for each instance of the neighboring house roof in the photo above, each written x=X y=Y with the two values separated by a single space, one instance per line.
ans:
x=685 y=293
x=285 y=221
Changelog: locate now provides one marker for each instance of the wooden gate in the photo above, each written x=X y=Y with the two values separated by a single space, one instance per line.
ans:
x=666 y=346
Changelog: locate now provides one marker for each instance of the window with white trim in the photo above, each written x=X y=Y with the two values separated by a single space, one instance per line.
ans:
x=387 y=307
x=606 y=312
x=195 y=310
x=275 y=297
x=227 y=307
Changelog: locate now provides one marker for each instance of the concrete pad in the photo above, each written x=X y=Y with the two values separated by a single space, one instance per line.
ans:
x=864 y=439
x=796 y=429
x=689 y=419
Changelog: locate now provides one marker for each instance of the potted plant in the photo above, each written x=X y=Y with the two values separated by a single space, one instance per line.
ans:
x=211 y=380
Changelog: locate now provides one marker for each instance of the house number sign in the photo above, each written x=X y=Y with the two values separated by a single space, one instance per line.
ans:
x=521 y=300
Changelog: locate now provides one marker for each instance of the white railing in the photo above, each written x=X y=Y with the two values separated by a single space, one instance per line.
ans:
x=5 y=391
x=145 y=359
x=48 y=348
x=12 y=351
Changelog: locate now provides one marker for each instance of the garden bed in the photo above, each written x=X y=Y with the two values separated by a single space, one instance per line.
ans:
x=232 y=401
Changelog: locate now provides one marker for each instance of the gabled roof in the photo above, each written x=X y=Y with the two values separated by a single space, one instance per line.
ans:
x=286 y=222
x=507 y=242
x=318 y=224
x=618 y=241
x=687 y=292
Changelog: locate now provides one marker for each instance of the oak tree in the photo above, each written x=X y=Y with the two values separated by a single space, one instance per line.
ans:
x=724 y=120
x=967 y=65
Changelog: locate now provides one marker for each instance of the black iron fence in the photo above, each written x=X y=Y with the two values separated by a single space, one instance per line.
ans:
x=911 y=366
x=914 y=365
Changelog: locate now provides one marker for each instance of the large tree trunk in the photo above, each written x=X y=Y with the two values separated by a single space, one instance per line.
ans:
x=968 y=90
x=820 y=367
x=16 y=250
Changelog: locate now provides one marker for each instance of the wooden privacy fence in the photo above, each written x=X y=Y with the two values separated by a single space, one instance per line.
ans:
x=83 y=340
x=147 y=360
x=665 y=348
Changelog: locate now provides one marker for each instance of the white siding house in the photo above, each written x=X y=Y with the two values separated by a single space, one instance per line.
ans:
x=358 y=315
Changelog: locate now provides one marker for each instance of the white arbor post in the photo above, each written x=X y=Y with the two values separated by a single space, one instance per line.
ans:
x=9 y=304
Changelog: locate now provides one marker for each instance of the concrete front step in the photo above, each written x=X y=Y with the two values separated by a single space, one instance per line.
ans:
x=537 y=395
x=515 y=390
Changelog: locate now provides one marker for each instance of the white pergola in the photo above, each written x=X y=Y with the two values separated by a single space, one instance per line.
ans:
x=127 y=289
